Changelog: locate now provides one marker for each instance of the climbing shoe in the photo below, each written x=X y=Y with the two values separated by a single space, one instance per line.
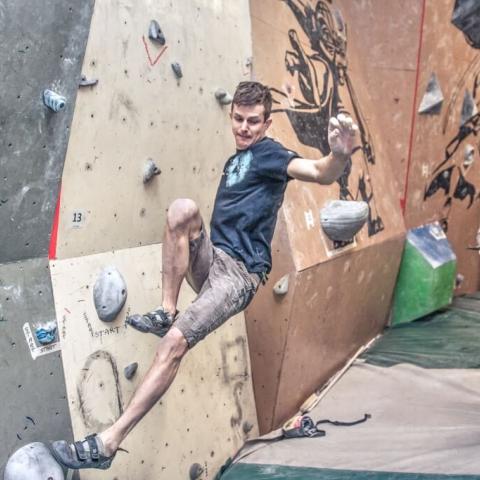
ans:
x=157 y=322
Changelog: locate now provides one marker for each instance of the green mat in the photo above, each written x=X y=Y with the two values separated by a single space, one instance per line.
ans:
x=251 y=471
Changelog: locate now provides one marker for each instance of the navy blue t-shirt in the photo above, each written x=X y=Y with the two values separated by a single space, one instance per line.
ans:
x=248 y=198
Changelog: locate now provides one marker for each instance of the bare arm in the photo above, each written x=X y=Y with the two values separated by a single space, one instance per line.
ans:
x=341 y=137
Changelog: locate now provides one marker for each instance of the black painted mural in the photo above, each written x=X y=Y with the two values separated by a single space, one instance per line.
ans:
x=450 y=176
x=321 y=74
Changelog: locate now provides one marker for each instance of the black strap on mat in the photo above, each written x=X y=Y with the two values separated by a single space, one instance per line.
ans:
x=304 y=426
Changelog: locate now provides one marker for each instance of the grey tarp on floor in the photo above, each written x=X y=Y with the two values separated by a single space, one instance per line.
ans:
x=424 y=419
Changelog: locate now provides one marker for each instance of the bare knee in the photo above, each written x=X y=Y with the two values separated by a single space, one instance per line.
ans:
x=172 y=348
x=184 y=215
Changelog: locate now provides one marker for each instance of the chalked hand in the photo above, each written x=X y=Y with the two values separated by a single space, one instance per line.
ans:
x=341 y=135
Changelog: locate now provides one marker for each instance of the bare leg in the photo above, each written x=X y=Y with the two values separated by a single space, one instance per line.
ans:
x=184 y=223
x=163 y=370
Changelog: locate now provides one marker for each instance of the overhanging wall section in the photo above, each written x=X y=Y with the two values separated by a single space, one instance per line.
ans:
x=316 y=68
x=444 y=174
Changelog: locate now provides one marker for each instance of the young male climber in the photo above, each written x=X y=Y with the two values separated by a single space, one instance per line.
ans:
x=224 y=269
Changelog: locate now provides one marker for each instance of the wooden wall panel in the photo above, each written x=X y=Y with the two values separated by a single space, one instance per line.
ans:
x=340 y=297
x=440 y=186
x=139 y=110
x=205 y=416
x=299 y=65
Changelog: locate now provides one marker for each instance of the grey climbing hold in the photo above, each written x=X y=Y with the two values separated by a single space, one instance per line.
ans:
x=247 y=427
x=177 y=70
x=155 y=33
x=195 y=471
x=150 y=171
x=85 y=82
x=46 y=333
x=54 y=101
x=130 y=370
x=466 y=17
x=468 y=155
x=433 y=97
x=223 y=97
x=281 y=287
x=341 y=220
x=109 y=294
x=33 y=462
x=469 y=108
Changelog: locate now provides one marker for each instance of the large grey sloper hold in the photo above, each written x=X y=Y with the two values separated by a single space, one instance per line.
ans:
x=341 y=220
x=109 y=294
x=33 y=462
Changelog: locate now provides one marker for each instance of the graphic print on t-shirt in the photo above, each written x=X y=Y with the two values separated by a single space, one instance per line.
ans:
x=238 y=168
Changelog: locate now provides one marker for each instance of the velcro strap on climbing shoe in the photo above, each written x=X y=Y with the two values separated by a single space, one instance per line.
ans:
x=92 y=443
x=81 y=453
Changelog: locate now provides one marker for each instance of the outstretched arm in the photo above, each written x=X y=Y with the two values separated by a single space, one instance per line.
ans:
x=341 y=138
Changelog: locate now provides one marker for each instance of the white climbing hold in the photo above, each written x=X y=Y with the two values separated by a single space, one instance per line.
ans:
x=33 y=462
x=468 y=155
x=150 y=170
x=433 y=98
x=341 y=220
x=223 y=97
x=281 y=287
x=109 y=294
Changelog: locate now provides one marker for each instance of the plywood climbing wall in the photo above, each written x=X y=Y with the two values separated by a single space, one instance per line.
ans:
x=444 y=173
x=205 y=416
x=139 y=110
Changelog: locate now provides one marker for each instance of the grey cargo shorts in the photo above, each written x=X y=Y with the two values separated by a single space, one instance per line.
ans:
x=224 y=288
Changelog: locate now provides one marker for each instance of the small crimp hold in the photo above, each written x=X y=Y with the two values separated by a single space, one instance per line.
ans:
x=130 y=370
x=468 y=155
x=155 y=33
x=223 y=97
x=177 y=70
x=150 y=171
x=54 y=101
x=281 y=287
x=85 y=82
x=195 y=471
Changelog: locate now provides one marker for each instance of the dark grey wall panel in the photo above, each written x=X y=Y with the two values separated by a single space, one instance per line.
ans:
x=32 y=392
x=42 y=46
